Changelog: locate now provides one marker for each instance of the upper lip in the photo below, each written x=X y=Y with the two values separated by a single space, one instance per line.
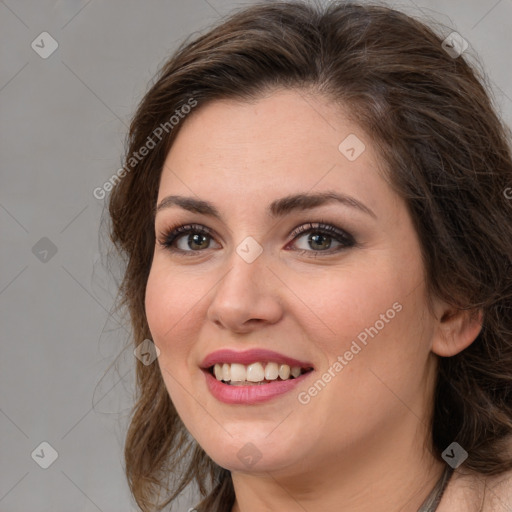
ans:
x=250 y=356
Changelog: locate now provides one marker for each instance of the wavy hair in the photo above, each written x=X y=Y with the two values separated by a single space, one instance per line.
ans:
x=447 y=152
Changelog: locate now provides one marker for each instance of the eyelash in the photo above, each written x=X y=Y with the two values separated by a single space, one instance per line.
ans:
x=169 y=237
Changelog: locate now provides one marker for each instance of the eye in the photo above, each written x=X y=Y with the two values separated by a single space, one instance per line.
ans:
x=320 y=238
x=197 y=239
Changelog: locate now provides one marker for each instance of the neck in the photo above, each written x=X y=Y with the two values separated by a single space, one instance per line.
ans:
x=387 y=473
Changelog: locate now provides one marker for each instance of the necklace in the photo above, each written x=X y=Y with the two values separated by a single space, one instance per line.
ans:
x=432 y=501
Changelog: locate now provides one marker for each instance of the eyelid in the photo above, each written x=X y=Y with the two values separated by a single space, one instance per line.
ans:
x=179 y=229
x=169 y=236
x=321 y=226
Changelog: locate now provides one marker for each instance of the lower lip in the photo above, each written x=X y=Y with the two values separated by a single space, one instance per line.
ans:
x=250 y=394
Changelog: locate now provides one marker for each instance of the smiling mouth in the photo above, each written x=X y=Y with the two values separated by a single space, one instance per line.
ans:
x=256 y=373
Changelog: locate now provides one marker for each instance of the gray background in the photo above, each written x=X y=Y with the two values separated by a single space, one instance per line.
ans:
x=63 y=122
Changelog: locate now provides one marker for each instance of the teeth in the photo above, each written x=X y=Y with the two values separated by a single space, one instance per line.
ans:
x=239 y=374
x=271 y=371
x=284 y=371
x=226 y=372
x=255 y=372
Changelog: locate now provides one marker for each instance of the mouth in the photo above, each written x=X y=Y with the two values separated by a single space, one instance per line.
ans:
x=256 y=373
x=253 y=367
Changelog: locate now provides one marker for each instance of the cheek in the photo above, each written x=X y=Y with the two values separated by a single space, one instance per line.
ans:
x=383 y=344
x=355 y=302
x=170 y=316
x=376 y=319
x=159 y=294
x=172 y=299
x=170 y=313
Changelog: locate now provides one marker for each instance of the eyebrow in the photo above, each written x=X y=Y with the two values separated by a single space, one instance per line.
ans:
x=277 y=208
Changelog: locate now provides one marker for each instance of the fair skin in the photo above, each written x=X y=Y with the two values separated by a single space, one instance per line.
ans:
x=362 y=441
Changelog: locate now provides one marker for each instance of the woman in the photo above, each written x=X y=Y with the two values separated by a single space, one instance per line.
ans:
x=318 y=242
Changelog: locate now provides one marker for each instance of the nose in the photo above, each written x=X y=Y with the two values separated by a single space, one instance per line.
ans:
x=247 y=296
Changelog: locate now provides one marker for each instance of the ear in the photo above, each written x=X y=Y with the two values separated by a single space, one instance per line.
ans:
x=455 y=329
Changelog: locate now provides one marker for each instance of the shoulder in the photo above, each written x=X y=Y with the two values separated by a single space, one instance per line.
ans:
x=469 y=491
x=498 y=492
x=498 y=488
x=472 y=492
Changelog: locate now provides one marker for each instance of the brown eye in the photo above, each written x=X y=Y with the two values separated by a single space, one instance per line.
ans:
x=321 y=236
x=198 y=238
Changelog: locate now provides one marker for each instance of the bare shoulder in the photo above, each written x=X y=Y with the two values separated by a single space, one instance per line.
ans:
x=471 y=492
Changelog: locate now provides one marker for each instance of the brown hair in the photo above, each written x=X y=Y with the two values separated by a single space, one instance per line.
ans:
x=448 y=156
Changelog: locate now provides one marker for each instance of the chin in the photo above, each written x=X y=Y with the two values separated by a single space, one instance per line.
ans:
x=252 y=454
x=251 y=461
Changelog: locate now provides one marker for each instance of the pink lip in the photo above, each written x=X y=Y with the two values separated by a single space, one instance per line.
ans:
x=249 y=357
x=252 y=394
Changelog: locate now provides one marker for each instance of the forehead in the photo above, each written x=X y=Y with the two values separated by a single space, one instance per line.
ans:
x=286 y=142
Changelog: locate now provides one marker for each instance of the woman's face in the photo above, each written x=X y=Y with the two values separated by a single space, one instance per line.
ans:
x=348 y=303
